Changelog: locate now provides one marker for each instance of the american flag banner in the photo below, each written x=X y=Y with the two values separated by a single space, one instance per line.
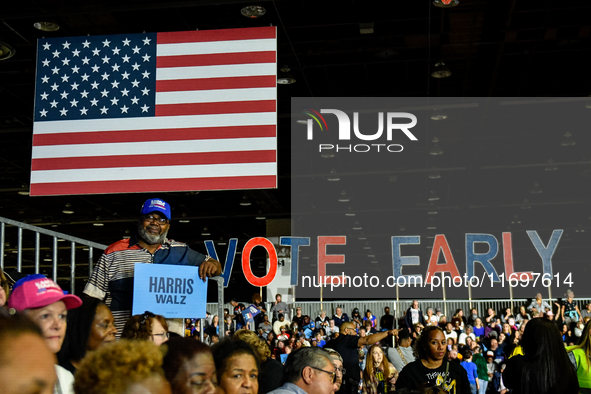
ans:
x=153 y=112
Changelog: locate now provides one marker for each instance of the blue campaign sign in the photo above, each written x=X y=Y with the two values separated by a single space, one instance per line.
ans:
x=173 y=291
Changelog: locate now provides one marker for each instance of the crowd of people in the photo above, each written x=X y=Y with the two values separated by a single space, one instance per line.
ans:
x=54 y=342
x=51 y=341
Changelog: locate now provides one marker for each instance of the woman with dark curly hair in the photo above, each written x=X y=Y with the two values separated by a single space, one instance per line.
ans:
x=237 y=367
x=431 y=366
x=146 y=327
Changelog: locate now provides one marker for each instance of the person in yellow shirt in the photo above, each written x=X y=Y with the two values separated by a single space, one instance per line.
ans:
x=580 y=356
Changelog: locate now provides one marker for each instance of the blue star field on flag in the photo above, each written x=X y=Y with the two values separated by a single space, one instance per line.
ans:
x=95 y=77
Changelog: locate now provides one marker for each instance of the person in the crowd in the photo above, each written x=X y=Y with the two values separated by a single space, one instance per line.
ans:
x=368 y=328
x=580 y=355
x=586 y=312
x=332 y=328
x=522 y=315
x=281 y=322
x=471 y=370
x=271 y=370
x=89 y=327
x=492 y=327
x=413 y=315
x=266 y=324
x=431 y=319
x=147 y=327
x=339 y=317
x=481 y=369
x=371 y=318
x=379 y=376
x=237 y=367
x=279 y=307
x=257 y=301
x=544 y=367
x=356 y=318
x=473 y=316
x=450 y=333
x=478 y=329
x=122 y=367
x=4 y=288
x=337 y=361
x=539 y=305
x=112 y=278
x=308 y=370
x=491 y=316
x=506 y=315
x=321 y=320
x=44 y=302
x=387 y=320
x=403 y=354
x=569 y=310
x=298 y=318
x=467 y=334
x=347 y=344
x=431 y=366
x=189 y=368
x=214 y=327
x=26 y=363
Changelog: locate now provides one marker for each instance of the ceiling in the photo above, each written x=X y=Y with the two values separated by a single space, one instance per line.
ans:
x=493 y=49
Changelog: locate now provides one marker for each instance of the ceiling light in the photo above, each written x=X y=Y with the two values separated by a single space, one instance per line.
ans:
x=260 y=217
x=222 y=243
x=363 y=238
x=47 y=260
x=568 y=140
x=366 y=28
x=245 y=202
x=434 y=175
x=374 y=262
x=46 y=26
x=526 y=204
x=184 y=221
x=333 y=177
x=344 y=197
x=60 y=240
x=68 y=211
x=253 y=11
x=446 y=3
x=6 y=51
x=23 y=193
x=536 y=189
x=432 y=196
x=371 y=255
x=435 y=150
x=440 y=70
x=438 y=115
x=515 y=220
x=205 y=232
x=285 y=77
x=350 y=212
x=98 y=224
x=551 y=166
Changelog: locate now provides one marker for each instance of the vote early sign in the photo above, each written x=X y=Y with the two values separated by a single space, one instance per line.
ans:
x=173 y=291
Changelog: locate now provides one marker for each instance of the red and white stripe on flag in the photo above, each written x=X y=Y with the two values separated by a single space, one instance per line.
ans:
x=214 y=126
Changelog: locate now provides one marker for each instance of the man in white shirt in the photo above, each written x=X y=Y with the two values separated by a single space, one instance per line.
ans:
x=331 y=329
x=450 y=333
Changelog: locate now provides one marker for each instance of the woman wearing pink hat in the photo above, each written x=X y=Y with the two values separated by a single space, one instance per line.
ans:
x=44 y=302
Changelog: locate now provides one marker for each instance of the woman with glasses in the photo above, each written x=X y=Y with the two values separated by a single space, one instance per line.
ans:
x=379 y=375
x=148 y=327
x=432 y=367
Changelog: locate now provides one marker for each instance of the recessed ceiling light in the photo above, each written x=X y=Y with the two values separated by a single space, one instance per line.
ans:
x=432 y=213
x=98 y=224
x=350 y=214
x=6 y=51
x=47 y=260
x=184 y=221
x=260 y=217
x=357 y=228
x=253 y=11
x=440 y=71
x=363 y=238
x=205 y=232
x=60 y=240
x=68 y=211
x=432 y=228
x=23 y=193
x=46 y=26
x=222 y=243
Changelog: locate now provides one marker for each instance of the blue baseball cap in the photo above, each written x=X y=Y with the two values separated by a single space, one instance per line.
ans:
x=156 y=205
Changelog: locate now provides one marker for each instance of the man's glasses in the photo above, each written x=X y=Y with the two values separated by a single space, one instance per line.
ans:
x=332 y=374
x=341 y=370
x=153 y=219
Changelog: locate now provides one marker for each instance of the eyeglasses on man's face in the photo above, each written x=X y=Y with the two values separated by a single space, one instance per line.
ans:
x=163 y=335
x=333 y=375
x=153 y=219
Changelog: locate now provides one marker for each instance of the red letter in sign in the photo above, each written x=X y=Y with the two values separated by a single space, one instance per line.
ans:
x=250 y=277
x=324 y=259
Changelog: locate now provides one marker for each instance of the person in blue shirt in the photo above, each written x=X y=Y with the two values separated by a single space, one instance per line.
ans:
x=471 y=370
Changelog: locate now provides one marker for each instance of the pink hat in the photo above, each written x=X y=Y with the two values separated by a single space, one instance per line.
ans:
x=37 y=291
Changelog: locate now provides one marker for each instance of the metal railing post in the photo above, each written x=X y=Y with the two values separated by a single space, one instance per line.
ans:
x=2 y=228
x=72 y=266
x=37 y=251
x=19 y=256
x=54 y=271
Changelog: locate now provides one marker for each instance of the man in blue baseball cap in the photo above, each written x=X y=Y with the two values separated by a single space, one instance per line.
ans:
x=112 y=278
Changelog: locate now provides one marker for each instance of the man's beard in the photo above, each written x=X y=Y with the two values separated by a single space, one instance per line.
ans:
x=149 y=238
